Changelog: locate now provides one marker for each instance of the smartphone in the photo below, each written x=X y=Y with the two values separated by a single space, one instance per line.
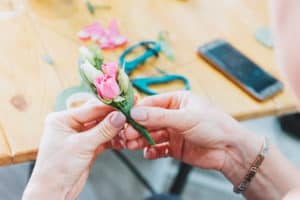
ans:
x=237 y=67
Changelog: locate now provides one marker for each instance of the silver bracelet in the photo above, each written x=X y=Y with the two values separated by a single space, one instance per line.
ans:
x=254 y=167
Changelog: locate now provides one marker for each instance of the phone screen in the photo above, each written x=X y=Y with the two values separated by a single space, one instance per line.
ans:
x=240 y=67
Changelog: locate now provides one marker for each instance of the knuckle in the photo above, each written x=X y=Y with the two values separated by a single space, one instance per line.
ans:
x=106 y=130
x=142 y=142
x=162 y=116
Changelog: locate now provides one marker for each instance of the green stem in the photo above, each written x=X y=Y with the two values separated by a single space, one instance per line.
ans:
x=142 y=130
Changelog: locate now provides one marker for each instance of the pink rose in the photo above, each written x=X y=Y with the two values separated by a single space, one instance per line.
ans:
x=110 y=69
x=107 y=87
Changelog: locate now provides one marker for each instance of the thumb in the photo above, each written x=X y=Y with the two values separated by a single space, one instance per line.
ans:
x=155 y=117
x=105 y=130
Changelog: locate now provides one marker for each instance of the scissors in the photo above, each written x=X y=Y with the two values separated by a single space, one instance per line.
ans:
x=152 y=49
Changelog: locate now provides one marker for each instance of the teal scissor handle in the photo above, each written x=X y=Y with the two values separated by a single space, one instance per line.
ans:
x=142 y=84
x=152 y=49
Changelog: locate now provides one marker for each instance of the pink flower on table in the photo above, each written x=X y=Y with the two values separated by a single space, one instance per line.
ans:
x=106 y=38
x=107 y=87
x=112 y=38
x=110 y=69
x=92 y=31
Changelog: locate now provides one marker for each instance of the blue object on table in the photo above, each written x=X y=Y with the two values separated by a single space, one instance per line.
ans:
x=143 y=84
x=152 y=48
x=48 y=59
x=264 y=36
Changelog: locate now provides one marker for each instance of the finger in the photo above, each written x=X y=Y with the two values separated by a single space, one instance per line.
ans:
x=118 y=142
x=141 y=142
x=105 y=130
x=89 y=125
x=102 y=148
x=158 y=151
x=154 y=117
x=79 y=99
x=131 y=134
x=76 y=118
x=93 y=101
x=166 y=100
x=90 y=112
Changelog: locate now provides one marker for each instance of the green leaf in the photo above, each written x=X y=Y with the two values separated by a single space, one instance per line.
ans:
x=141 y=129
x=97 y=54
x=130 y=98
x=165 y=47
x=105 y=101
x=98 y=63
x=123 y=81
x=90 y=7
x=119 y=99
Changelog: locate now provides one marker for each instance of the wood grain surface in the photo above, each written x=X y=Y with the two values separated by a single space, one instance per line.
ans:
x=49 y=27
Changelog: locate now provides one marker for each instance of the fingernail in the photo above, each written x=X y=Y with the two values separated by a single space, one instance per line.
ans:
x=122 y=135
x=132 y=145
x=150 y=153
x=138 y=114
x=117 y=120
x=122 y=143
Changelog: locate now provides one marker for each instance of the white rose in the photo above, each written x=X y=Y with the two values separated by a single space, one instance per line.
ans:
x=87 y=54
x=90 y=71
x=123 y=80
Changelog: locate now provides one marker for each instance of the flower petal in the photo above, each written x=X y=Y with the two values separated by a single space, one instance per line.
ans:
x=90 y=71
x=110 y=68
x=107 y=87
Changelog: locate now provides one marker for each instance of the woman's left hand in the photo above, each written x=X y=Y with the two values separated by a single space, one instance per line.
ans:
x=72 y=139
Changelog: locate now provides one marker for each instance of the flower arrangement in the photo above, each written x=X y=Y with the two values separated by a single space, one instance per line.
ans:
x=109 y=83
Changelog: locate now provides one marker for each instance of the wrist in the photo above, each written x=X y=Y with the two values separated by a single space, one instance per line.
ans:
x=240 y=154
x=275 y=176
x=41 y=187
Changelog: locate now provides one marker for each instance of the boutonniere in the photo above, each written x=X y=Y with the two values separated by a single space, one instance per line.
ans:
x=110 y=84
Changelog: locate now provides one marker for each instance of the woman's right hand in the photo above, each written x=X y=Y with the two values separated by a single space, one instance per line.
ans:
x=194 y=131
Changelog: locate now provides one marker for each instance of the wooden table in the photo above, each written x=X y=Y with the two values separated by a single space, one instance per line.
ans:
x=29 y=85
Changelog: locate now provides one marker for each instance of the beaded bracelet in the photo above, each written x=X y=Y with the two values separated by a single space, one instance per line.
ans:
x=254 y=167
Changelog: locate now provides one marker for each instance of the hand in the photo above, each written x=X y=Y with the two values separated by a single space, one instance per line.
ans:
x=191 y=130
x=72 y=139
x=293 y=194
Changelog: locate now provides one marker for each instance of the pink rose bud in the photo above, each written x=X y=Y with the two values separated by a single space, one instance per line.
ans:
x=110 y=69
x=107 y=87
